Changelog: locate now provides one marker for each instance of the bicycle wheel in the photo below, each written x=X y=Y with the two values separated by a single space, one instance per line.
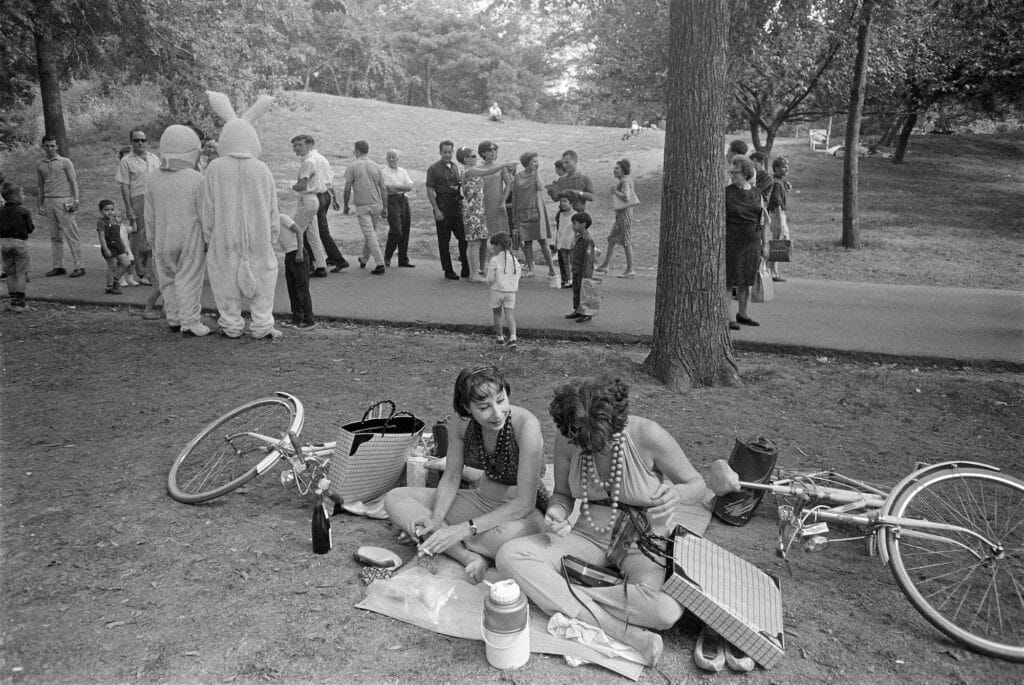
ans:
x=971 y=592
x=224 y=455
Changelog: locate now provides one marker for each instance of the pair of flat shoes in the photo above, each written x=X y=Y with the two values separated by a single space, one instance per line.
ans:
x=712 y=653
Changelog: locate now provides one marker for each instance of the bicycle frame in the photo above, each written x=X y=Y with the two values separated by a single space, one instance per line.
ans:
x=804 y=489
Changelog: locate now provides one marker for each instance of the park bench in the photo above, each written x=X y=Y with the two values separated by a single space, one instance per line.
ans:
x=818 y=138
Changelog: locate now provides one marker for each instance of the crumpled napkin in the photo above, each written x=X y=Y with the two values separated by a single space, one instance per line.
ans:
x=574 y=629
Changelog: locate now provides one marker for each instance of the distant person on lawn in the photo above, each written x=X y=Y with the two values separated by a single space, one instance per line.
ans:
x=58 y=201
x=580 y=187
x=398 y=183
x=444 y=191
x=133 y=172
x=364 y=185
x=777 y=208
x=241 y=223
x=495 y=112
x=15 y=227
x=505 y=441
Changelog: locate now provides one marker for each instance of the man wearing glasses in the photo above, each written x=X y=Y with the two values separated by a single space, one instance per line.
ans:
x=132 y=173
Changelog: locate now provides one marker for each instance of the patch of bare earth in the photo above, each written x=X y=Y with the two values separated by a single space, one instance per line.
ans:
x=106 y=579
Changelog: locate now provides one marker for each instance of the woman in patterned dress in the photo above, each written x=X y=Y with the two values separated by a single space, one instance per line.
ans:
x=473 y=210
x=505 y=441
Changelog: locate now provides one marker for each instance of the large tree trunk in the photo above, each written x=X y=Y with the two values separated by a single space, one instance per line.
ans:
x=49 y=77
x=691 y=345
x=851 y=220
x=904 y=138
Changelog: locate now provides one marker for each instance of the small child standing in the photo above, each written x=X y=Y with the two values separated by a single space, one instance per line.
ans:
x=564 y=237
x=503 y=273
x=15 y=227
x=582 y=263
x=112 y=246
x=296 y=275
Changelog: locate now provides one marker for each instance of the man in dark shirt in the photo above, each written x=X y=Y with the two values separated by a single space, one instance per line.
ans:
x=444 y=190
x=15 y=227
x=579 y=186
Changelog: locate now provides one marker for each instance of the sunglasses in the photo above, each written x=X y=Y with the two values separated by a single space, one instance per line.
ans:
x=470 y=156
x=138 y=140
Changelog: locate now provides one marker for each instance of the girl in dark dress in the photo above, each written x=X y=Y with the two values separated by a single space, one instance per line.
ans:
x=745 y=240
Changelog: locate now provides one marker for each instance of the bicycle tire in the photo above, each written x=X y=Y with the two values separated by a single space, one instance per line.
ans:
x=976 y=601
x=221 y=459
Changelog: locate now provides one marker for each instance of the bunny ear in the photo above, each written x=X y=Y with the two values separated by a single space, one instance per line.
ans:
x=259 y=108
x=221 y=105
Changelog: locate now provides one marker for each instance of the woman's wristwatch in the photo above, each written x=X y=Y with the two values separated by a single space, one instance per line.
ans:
x=472 y=527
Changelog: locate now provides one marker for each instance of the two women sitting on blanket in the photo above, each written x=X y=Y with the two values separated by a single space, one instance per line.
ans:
x=603 y=456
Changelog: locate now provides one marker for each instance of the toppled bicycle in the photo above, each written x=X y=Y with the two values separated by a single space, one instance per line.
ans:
x=952 y=534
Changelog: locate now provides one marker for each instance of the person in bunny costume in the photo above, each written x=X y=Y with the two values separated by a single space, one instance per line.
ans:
x=174 y=197
x=240 y=223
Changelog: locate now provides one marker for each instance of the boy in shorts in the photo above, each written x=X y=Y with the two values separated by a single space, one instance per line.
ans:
x=108 y=228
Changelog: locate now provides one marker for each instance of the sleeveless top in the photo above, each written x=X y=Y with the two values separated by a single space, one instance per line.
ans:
x=502 y=465
x=639 y=481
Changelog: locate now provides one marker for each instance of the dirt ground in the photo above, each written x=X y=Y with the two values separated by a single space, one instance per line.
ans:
x=106 y=579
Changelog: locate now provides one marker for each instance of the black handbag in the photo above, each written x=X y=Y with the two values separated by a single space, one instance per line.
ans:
x=754 y=461
x=780 y=250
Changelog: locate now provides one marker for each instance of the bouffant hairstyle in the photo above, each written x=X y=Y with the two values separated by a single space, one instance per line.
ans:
x=625 y=166
x=462 y=154
x=526 y=158
x=476 y=384
x=590 y=412
x=745 y=165
x=738 y=147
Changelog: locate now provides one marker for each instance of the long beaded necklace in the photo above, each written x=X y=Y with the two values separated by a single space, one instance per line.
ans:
x=612 y=486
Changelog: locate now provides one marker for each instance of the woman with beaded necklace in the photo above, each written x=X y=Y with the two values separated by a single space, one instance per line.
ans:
x=505 y=441
x=605 y=458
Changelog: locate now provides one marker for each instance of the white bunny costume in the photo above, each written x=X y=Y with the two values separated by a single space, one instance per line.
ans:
x=174 y=200
x=240 y=223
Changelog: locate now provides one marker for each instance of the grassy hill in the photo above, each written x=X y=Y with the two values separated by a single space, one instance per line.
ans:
x=950 y=216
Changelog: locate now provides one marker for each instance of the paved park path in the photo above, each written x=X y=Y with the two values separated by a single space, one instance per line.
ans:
x=961 y=325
